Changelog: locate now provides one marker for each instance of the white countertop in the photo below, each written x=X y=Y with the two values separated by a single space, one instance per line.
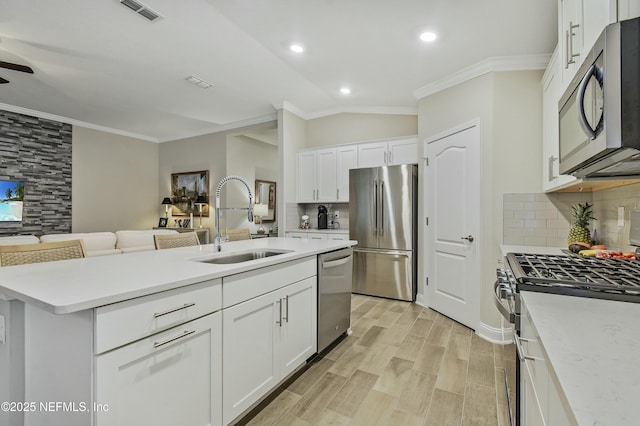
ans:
x=593 y=347
x=530 y=249
x=73 y=285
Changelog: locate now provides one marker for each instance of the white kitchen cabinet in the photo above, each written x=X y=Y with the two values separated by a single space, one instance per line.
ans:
x=551 y=177
x=346 y=159
x=628 y=9
x=170 y=378
x=323 y=174
x=580 y=22
x=264 y=340
x=388 y=153
x=316 y=175
x=154 y=359
x=542 y=400
x=340 y=236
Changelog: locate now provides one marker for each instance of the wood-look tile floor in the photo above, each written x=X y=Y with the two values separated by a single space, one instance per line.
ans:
x=403 y=365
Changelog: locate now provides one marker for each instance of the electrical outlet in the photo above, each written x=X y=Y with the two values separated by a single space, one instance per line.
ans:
x=336 y=214
x=2 y=332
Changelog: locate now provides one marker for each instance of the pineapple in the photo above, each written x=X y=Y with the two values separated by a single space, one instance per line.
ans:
x=582 y=215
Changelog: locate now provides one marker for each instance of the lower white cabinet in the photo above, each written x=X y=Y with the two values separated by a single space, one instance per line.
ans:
x=171 y=378
x=541 y=397
x=264 y=340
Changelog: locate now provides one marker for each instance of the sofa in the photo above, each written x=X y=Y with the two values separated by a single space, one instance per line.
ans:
x=97 y=243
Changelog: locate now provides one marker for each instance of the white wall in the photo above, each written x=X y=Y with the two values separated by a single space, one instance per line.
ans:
x=292 y=138
x=251 y=160
x=115 y=182
x=347 y=128
x=509 y=106
x=207 y=152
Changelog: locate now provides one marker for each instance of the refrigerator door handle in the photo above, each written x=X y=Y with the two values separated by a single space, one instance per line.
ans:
x=375 y=206
x=381 y=208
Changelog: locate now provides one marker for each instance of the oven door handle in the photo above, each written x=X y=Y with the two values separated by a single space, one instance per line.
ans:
x=507 y=313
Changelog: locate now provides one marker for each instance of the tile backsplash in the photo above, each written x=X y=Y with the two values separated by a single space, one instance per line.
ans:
x=606 y=204
x=295 y=212
x=544 y=219
x=539 y=219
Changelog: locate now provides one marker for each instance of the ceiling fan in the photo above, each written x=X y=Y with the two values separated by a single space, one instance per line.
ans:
x=14 y=67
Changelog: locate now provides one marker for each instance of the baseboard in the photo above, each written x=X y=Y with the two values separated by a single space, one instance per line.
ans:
x=499 y=336
x=420 y=300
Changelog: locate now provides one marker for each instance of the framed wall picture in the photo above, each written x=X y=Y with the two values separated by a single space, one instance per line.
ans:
x=185 y=188
x=163 y=222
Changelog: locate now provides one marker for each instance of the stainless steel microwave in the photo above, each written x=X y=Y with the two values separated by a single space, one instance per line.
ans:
x=600 y=110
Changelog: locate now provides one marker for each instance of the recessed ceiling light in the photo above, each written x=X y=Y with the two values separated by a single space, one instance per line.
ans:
x=345 y=90
x=297 y=48
x=427 y=36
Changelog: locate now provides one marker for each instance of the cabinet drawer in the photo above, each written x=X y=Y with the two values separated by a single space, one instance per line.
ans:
x=171 y=378
x=127 y=321
x=247 y=285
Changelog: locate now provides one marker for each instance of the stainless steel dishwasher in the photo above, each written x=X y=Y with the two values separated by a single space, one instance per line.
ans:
x=334 y=295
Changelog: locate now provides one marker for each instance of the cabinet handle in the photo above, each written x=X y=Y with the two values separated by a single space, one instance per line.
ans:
x=390 y=157
x=552 y=175
x=385 y=157
x=520 y=350
x=571 y=35
x=567 y=53
x=170 y=311
x=337 y=194
x=280 y=308
x=287 y=317
x=173 y=339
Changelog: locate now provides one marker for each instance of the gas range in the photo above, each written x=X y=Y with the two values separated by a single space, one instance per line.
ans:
x=572 y=275
x=600 y=278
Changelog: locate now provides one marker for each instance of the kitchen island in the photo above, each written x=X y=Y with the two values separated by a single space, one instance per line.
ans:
x=140 y=338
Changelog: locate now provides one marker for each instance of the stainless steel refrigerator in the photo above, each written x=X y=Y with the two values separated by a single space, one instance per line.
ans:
x=382 y=218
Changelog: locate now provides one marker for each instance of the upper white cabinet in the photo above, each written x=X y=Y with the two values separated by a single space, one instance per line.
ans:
x=323 y=174
x=316 y=173
x=580 y=22
x=346 y=159
x=551 y=177
x=388 y=153
x=628 y=9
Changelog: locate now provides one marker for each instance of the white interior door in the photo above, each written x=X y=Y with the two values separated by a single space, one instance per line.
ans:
x=453 y=210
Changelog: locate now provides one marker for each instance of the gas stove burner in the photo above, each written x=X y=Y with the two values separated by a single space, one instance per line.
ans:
x=617 y=279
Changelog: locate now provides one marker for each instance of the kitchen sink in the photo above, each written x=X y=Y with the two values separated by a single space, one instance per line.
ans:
x=245 y=256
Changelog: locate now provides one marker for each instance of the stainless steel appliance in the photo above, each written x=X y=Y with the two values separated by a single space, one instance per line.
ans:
x=334 y=295
x=600 y=110
x=382 y=218
x=572 y=275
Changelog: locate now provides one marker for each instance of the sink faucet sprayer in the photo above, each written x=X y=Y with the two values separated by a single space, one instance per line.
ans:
x=218 y=209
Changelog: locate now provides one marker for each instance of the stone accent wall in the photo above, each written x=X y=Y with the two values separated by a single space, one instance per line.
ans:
x=38 y=152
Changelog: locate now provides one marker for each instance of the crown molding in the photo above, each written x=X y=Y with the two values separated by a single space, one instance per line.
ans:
x=345 y=110
x=496 y=63
x=53 y=117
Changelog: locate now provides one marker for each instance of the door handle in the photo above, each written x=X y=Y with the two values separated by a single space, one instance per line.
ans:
x=468 y=238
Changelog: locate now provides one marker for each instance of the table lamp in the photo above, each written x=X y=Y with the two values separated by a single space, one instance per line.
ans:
x=166 y=202
x=260 y=210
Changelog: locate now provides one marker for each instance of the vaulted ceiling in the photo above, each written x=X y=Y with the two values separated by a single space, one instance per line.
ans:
x=98 y=62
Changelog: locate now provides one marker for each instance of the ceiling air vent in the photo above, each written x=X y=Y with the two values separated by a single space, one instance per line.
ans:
x=141 y=9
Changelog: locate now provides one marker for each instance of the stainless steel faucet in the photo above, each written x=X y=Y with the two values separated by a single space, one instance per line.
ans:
x=218 y=209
